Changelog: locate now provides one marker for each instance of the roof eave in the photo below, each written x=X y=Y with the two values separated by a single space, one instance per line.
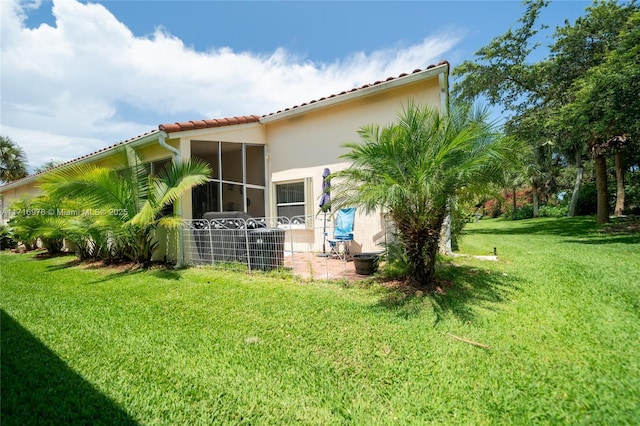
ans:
x=357 y=93
x=194 y=133
x=136 y=142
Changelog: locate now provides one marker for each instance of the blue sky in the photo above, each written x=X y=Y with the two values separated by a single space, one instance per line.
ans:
x=79 y=76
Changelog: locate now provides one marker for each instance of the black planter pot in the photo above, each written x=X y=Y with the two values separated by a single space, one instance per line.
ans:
x=366 y=264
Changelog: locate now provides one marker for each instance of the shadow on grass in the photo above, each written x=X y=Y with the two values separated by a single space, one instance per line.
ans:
x=464 y=290
x=65 y=265
x=163 y=274
x=565 y=226
x=167 y=274
x=581 y=230
x=470 y=288
x=44 y=255
x=608 y=239
x=39 y=388
x=118 y=275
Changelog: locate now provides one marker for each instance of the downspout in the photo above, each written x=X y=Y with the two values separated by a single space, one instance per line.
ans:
x=443 y=80
x=178 y=207
x=162 y=135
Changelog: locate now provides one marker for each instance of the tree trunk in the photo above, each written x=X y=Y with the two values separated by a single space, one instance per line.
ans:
x=619 y=183
x=576 y=187
x=534 y=196
x=421 y=248
x=445 y=237
x=602 y=215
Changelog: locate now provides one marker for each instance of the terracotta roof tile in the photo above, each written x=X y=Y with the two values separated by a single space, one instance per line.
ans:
x=205 y=124
x=219 y=122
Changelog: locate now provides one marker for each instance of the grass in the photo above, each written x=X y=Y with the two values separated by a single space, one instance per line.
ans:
x=559 y=310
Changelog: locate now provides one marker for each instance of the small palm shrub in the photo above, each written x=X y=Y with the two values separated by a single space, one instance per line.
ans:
x=415 y=169
x=6 y=238
x=127 y=203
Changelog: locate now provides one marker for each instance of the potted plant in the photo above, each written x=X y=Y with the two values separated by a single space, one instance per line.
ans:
x=366 y=263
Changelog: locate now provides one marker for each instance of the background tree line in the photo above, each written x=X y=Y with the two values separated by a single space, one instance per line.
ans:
x=577 y=106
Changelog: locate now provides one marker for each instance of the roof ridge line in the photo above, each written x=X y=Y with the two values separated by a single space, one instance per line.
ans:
x=220 y=122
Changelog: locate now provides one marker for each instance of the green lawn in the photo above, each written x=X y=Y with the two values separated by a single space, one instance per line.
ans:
x=560 y=311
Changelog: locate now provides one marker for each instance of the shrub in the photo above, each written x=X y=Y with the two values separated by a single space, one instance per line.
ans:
x=492 y=208
x=524 y=212
x=6 y=238
x=632 y=193
x=397 y=264
x=553 y=211
x=52 y=244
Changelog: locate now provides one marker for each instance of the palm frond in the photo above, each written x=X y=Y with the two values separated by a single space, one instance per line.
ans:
x=168 y=186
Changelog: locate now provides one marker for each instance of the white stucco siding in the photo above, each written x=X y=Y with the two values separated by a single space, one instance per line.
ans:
x=367 y=228
x=300 y=147
x=10 y=196
x=316 y=137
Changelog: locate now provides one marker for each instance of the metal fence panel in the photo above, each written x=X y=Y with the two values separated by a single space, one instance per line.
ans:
x=296 y=244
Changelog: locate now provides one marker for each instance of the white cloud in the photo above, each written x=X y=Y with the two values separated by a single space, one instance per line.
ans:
x=65 y=84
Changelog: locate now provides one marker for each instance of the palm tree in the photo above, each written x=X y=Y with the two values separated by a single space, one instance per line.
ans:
x=25 y=228
x=413 y=169
x=12 y=161
x=128 y=196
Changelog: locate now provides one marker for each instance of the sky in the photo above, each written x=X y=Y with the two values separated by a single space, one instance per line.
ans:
x=78 y=76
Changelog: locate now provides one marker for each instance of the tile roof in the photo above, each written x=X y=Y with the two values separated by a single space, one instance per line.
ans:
x=66 y=163
x=355 y=89
x=220 y=122
x=205 y=124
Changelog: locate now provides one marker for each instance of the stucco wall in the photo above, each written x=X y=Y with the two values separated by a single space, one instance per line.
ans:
x=317 y=137
x=9 y=196
x=301 y=147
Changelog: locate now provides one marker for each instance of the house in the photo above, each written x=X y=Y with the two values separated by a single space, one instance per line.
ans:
x=272 y=165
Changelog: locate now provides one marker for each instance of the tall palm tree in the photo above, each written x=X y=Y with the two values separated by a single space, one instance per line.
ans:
x=12 y=160
x=130 y=197
x=414 y=167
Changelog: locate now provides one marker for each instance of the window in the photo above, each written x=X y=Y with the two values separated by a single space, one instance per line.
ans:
x=290 y=199
x=237 y=181
x=158 y=166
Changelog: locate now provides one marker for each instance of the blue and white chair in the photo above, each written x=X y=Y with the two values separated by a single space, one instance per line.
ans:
x=340 y=244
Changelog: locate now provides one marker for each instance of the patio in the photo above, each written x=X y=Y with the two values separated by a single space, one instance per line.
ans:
x=241 y=243
x=310 y=266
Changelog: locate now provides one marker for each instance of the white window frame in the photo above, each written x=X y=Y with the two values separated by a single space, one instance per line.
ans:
x=307 y=203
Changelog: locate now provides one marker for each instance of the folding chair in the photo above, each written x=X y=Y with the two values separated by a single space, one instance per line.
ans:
x=343 y=233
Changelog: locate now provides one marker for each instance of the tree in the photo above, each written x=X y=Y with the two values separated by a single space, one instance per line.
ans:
x=594 y=66
x=24 y=226
x=47 y=166
x=606 y=104
x=413 y=168
x=548 y=89
x=126 y=194
x=36 y=219
x=503 y=71
x=12 y=161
